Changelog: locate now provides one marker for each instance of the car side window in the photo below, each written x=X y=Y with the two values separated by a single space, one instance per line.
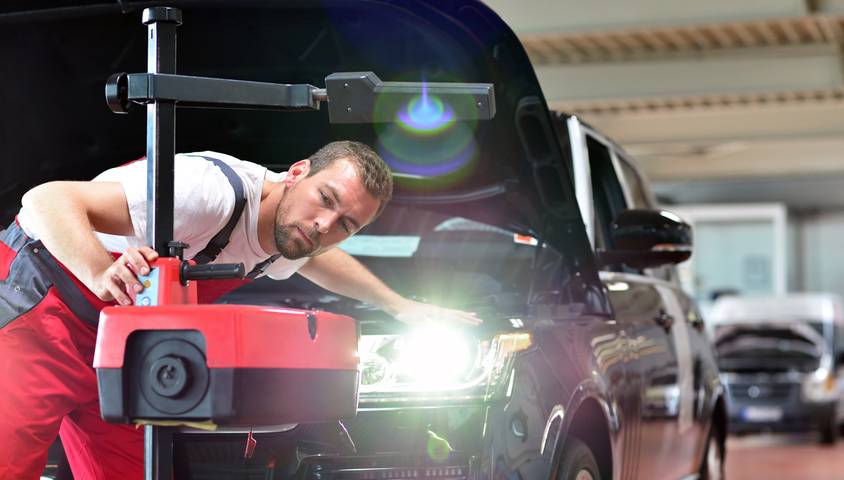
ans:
x=634 y=185
x=607 y=196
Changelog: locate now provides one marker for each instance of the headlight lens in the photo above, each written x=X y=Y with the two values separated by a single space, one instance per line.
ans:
x=820 y=385
x=434 y=359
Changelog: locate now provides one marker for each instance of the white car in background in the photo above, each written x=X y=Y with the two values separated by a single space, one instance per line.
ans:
x=780 y=358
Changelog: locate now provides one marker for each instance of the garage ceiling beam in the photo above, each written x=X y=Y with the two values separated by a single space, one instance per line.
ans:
x=813 y=193
x=547 y=16
x=715 y=125
x=771 y=159
x=799 y=67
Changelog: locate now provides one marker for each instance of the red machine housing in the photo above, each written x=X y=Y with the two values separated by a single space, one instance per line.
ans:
x=231 y=364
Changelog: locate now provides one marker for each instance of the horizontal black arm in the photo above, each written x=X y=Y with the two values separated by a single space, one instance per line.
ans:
x=353 y=97
x=187 y=91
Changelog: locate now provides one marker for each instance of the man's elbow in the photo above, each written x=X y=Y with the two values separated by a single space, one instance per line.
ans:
x=41 y=196
x=48 y=199
x=33 y=198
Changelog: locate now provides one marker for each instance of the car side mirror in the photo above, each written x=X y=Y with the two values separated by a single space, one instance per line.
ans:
x=647 y=238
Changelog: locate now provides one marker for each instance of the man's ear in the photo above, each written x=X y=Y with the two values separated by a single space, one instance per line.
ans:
x=297 y=172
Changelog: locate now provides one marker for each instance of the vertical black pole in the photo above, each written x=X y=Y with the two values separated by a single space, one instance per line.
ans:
x=161 y=128
x=161 y=150
x=158 y=453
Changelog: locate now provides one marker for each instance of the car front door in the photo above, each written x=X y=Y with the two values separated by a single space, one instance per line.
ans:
x=685 y=332
x=661 y=371
x=648 y=309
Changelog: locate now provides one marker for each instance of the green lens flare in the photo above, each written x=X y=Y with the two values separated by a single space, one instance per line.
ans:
x=425 y=115
x=438 y=448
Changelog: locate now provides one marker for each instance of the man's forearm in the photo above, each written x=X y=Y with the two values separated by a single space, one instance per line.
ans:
x=339 y=272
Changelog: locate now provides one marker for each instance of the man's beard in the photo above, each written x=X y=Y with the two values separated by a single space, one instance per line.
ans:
x=287 y=240
x=289 y=245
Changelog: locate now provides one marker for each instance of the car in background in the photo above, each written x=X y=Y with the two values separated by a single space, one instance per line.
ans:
x=780 y=359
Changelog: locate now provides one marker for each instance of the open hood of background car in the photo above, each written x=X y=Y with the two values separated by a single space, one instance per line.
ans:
x=56 y=124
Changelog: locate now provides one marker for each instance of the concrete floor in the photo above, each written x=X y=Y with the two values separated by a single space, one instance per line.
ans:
x=783 y=457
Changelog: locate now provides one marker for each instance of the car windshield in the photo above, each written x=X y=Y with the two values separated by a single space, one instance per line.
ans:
x=433 y=257
x=818 y=327
x=446 y=259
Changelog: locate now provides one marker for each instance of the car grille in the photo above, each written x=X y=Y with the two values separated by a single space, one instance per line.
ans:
x=762 y=391
x=386 y=467
x=437 y=473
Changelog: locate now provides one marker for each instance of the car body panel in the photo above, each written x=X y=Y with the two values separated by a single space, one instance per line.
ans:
x=673 y=363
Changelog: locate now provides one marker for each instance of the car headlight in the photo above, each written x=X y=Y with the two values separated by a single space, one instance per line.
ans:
x=435 y=359
x=820 y=385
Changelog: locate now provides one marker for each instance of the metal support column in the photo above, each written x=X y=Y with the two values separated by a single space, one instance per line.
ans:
x=158 y=453
x=161 y=151
x=161 y=128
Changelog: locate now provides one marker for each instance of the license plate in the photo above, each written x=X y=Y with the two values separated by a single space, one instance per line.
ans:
x=762 y=414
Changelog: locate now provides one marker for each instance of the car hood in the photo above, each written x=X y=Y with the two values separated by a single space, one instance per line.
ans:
x=768 y=347
x=57 y=126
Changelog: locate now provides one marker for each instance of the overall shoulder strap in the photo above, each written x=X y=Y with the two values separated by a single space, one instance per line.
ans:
x=221 y=239
x=261 y=267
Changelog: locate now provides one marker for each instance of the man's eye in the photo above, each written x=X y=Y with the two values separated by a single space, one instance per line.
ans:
x=325 y=199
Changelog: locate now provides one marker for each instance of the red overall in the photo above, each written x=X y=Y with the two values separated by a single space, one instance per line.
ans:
x=47 y=382
x=48 y=386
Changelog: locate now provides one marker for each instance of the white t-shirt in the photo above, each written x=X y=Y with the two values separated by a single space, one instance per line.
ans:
x=204 y=202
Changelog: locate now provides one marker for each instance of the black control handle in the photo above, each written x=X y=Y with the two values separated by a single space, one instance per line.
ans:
x=219 y=271
x=117 y=93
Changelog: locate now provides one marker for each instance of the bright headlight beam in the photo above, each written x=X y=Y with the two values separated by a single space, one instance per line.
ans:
x=434 y=356
x=436 y=360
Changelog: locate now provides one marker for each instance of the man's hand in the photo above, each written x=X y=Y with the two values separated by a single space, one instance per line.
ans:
x=339 y=272
x=418 y=313
x=120 y=277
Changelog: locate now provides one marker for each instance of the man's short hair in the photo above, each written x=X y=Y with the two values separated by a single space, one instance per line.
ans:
x=376 y=175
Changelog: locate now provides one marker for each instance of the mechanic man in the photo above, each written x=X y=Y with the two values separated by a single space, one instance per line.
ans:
x=58 y=269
